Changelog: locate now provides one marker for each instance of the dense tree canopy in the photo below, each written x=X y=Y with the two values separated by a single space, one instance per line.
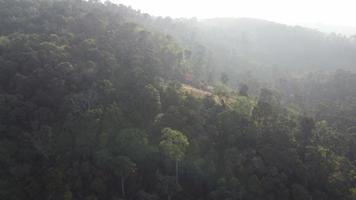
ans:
x=101 y=102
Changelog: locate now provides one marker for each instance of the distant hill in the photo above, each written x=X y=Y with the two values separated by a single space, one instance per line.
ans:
x=243 y=44
x=343 y=30
x=102 y=102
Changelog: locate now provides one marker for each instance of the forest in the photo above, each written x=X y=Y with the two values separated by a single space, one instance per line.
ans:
x=99 y=101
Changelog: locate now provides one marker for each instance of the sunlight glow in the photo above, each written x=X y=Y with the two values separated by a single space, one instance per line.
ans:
x=332 y=12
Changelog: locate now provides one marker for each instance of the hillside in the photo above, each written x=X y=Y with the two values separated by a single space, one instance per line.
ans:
x=101 y=102
x=238 y=46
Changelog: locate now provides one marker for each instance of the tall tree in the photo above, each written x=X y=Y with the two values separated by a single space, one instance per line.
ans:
x=173 y=144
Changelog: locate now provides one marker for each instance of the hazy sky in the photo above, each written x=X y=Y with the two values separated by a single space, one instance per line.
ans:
x=332 y=12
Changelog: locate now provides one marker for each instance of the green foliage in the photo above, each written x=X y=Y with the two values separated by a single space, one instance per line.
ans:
x=243 y=90
x=221 y=90
x=173 y=143
x=243 y=105
x=4 y=41
x=167 y=186
x=123 y=166
x=97 y=100
x=353 y=192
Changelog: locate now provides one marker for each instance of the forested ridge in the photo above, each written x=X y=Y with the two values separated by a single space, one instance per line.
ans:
x=102 y=102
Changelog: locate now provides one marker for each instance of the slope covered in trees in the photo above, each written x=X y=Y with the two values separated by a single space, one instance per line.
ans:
x=94 y=105
x=266 y=49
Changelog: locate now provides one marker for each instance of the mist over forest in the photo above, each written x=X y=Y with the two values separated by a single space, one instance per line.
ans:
x=99 y=101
